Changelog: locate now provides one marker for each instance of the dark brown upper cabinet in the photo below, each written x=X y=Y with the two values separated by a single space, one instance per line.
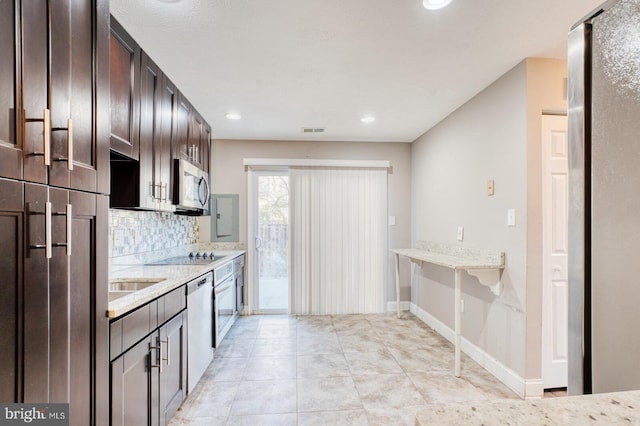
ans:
x=182 y=123
x=163 y=148
x=146 y=184
x=50 y=89
x=192 y=135
x=206 y=148
x=124 y=68
x=11 y=145
x=196 y=137
x=152 y=124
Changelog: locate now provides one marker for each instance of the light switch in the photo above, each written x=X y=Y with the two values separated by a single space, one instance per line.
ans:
x=460 y=233
x=511 y=217
x=490 y=187
x=392 y=220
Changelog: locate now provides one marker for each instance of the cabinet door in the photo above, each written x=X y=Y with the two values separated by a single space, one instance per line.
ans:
x=169 y=111
x=181 y=132
x=65 y=282
x=34 y=117
x=10 y=134
x=196 y=138
x=11 y=250
x=150 y=189
x=206 y=149
x=173 y=379
x=133 y=383
x=36 y=291
x=75 y=147
x=88 y=278
x=124 y=67
x=55 y=84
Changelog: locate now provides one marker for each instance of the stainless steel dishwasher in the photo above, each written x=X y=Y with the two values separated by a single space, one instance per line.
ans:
x=199 y=328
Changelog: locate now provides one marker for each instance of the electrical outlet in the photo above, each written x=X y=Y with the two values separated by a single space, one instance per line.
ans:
x=460 y=233
x=490 y=187
x=392 y=220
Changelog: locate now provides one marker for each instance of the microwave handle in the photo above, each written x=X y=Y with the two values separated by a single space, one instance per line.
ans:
x=206 y=198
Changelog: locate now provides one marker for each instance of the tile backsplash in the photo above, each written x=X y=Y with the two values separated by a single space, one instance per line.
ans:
x=135 y=232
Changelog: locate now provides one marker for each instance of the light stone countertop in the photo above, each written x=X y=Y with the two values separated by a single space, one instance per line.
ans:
x=173 y=277
x=619 y=408
x=453 y=256
x=449 y=261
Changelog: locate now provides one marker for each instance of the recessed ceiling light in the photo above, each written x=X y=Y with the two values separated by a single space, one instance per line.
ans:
x=233 y=116
x=435 y=4
x=368 y=119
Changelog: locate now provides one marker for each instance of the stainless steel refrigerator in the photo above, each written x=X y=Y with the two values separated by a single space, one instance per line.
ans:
x=604 y=200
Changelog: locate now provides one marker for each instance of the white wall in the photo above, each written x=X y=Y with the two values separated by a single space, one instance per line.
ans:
x=229 y=176
x=493 y=136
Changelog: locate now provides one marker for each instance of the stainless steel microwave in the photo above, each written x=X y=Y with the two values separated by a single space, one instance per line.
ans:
x=191 y=189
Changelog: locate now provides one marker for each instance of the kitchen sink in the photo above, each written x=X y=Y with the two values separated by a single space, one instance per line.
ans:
x=119 y=285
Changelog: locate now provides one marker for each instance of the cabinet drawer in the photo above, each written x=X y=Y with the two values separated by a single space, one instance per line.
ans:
x=138 y=324
x=170 y=304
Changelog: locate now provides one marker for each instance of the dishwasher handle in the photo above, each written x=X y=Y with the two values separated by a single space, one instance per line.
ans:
x=199 y=283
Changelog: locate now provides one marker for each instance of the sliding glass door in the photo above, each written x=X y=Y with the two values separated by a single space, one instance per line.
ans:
x=270 y=216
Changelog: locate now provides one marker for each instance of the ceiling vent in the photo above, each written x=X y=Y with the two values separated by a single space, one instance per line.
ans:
x=313 y=130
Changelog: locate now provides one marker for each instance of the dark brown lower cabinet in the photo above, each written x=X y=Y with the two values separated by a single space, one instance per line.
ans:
x=148 y=381
x=132 y=381
x=52 y=322
x=174 y=373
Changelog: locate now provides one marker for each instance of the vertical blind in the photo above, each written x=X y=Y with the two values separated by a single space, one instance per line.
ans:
x=338 y=240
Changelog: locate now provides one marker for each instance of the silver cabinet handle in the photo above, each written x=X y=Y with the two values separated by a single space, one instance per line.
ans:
x=69 y=144
x=159 y=357
x=168 y=343
x=69 y=130
x=69 y=228
x=168 y=358
x=46 y=135
x=69 y=215
x=47 y=246
x=47 y=227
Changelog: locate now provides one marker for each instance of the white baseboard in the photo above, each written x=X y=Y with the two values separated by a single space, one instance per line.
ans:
x=533 y=389
x=404 y=306
x=525 y=389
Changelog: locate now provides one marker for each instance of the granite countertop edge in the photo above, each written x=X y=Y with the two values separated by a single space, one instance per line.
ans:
x=173 y=276
x=607 y=408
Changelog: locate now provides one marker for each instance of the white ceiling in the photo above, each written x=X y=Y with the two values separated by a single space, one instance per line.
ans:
x=288 y=64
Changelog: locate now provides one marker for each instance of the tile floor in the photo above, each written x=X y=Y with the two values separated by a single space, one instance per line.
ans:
x=332 y=370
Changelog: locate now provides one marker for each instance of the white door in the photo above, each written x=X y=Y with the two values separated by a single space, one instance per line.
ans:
x=269 y=215
x=554 y=242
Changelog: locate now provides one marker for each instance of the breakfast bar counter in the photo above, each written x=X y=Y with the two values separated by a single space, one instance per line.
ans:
x=486 y=265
